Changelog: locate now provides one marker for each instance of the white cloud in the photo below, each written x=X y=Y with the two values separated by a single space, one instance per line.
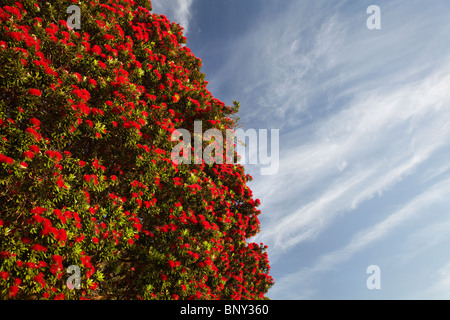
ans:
x=294 y=66
x=286 y=66
x=382 y=138
x=298 y=284
x=178 y=11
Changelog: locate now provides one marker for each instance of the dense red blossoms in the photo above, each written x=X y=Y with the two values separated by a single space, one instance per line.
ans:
x=86 y=176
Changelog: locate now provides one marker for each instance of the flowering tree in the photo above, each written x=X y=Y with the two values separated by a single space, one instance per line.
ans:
x=86 y=176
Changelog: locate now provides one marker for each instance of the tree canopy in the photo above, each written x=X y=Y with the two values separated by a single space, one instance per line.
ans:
x=86 y=176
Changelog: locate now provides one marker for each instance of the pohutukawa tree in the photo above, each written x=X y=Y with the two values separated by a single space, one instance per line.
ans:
x=86 y=176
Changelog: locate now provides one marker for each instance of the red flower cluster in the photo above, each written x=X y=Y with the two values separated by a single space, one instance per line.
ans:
x=54 y=154
x=6 y=159
x=37 y=136
x=38 y=247
x=56 y=268
x=35 y=92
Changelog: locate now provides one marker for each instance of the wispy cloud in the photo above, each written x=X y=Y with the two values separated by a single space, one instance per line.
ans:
x=355 y=118
x=178 y=11
x=298 y=64
x=300 y=283
x=353 y=156
x=424 y=239
x=278 y=64
x=440 y=288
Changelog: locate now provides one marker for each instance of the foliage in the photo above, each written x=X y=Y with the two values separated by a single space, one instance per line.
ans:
x=86 y=176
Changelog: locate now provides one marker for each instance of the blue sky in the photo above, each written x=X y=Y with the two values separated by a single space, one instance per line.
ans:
x=364 y=120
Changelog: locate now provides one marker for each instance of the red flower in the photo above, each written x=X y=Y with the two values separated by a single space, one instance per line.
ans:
x=62 y=235
x=4 y=275
x=172 y=264
x=157 y=74
x=6 y=159
x=96 y=49
x=40 y=279
x=57 y=259
x=28 y=154
x=108 y=37
x=60 y=296
x=95 y=240
x=15 y=35
x=82 y=94
x=35 y=92
x=35 y=121
x=38 y=247
x=13 y=291
x=50 y=71
x=34 y=148
x=102 y=65
x=50 y=31
x=159 y=151
x=95 y=164
x=163 y=277
x=57 y=155
x=15 y=11
x=37 y=136
x=38 y=218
